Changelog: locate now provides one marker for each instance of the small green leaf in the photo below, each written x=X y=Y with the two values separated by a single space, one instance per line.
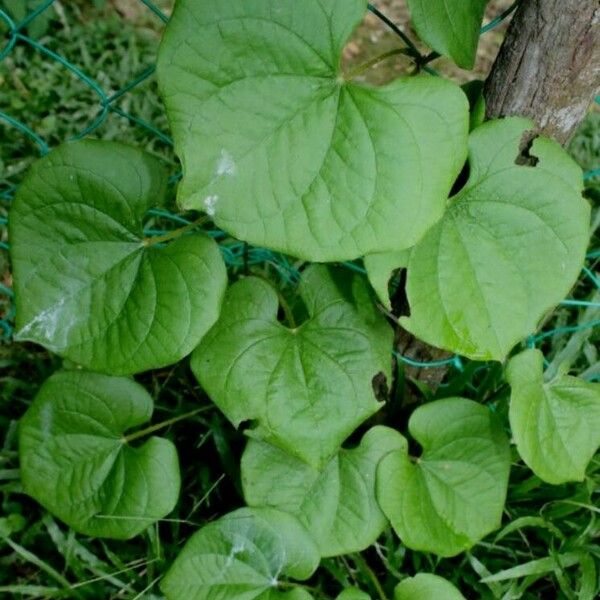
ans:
x=87 y=285
x=11 y=524
x=283 y=150
x=353 y=594
x=308 y=387
x=426 y=586
x=76 y=462
x=453 y=495
x=337 y=505
x=296 y=593
x=379 y=269
x=243 y=555
x=450 y=27
x=509 y=248
x=556 y=425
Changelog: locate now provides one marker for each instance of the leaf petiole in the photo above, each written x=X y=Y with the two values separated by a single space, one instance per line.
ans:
x=361 y=563
x=374 y=61
x=176 y=233
x=148 y=430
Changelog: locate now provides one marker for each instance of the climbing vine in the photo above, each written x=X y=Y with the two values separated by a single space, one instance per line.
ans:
x=282 y=148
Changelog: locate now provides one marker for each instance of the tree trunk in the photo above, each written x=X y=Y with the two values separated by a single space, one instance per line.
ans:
x=548 y=69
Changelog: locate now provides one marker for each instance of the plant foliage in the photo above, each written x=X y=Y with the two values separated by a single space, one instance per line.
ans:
x=284 y=148
x=453 y=494
x=77 y=462
x=556 y=424
x=286 y=151
x=243 y=555
x=88 y=285
x=307 y=387
x=450 y=27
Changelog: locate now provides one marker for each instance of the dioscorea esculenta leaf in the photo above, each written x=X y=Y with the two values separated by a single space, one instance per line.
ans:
x=336 y=504
x=88 y=285
x=556 y=424
x=307 y=387
x=245 y=555
x=284 y=150
x=76 y=459
x=509 y=248
x=451 y=27
x=453 y=495
x=426 y=586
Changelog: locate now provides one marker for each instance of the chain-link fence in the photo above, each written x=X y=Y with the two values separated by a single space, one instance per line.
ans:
x=117 y=99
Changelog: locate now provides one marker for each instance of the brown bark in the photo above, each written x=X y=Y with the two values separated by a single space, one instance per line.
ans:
x=548 y=68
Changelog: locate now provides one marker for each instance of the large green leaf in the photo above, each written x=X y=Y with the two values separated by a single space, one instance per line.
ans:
x=308 y=387
x=76 y=462
x=426 y=586
x=451 y=27
x=88 y=286
x=508 y=249
x=283 y=151
x=556 y=425
x=243 y=555
x=453 y=495
x=337 y=504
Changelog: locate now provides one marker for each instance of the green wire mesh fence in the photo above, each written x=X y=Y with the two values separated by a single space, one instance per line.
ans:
x=108 y=101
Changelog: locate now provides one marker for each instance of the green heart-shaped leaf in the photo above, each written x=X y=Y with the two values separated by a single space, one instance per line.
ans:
x=337 y=505
x=76 y=462
x=285 y=152
x=556 y=425
x=426 y=586
x=88 y=286
x=450 y=27
x=509 y=248
x=308 y=387
x=453 y=495
x=243 y=555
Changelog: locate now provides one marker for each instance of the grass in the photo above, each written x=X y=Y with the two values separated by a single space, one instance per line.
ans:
x=549 y=546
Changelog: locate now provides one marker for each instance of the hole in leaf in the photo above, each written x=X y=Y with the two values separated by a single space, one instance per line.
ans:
x=461 y=180
x=248 y=425
x=400 y=305
x=414 y=449
x=525 y=158
x=380 y=387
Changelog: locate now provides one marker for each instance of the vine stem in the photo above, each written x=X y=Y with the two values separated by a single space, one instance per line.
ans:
x=362 y=563
x=176 y=233
x=148 y=430
x=374 y=61
x=414 y=51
